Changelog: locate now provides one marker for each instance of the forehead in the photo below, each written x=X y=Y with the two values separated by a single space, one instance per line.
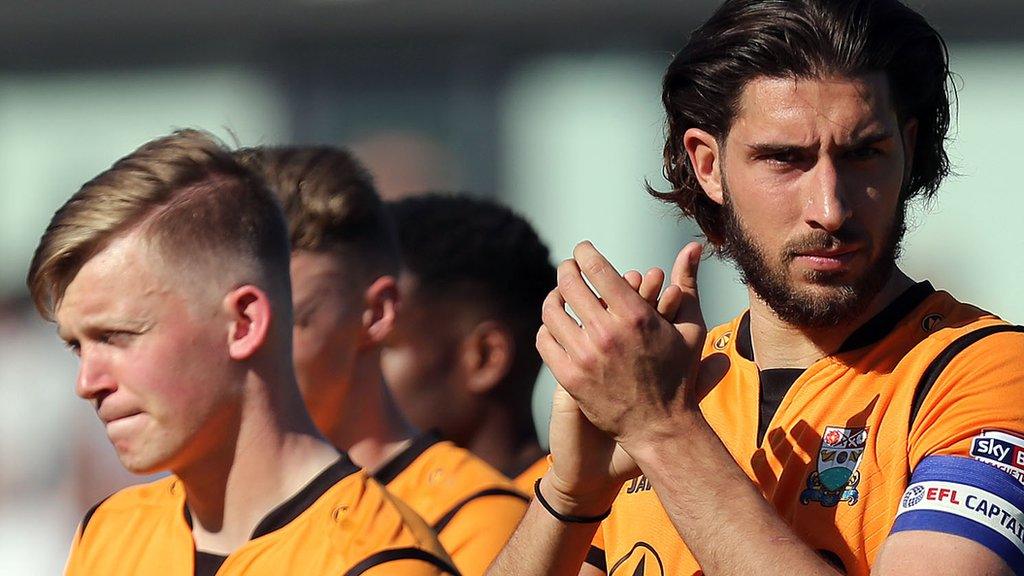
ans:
x=806 y=110
x=314 y=272
x=122 y=282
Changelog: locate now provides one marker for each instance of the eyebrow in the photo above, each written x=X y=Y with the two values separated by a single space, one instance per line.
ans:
x=93 y=325
x=769 y=148
x=872 y=137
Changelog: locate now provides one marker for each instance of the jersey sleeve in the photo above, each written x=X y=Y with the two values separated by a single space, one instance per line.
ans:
x=966 y=449
x=976 y=392
x=476 y=530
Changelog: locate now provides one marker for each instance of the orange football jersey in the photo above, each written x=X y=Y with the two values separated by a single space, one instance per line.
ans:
x=473 y=508
x=833 y=446
x=341 y=523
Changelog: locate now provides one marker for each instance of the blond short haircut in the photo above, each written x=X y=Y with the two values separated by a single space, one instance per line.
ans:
x=188 y=197
x=331 y=205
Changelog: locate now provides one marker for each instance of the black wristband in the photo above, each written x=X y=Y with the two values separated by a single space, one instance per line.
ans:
x=565 y=517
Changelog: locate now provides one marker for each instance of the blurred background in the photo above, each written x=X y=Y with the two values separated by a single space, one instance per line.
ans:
x=552 y=107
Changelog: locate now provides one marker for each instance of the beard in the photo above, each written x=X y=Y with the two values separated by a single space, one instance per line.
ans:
x=837 y=299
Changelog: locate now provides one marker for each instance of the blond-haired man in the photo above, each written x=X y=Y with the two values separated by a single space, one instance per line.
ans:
x=167 y=275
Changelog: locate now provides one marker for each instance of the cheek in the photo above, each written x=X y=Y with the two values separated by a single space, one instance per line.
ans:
x=306 y=344
x=185 y=377
x=402 y=369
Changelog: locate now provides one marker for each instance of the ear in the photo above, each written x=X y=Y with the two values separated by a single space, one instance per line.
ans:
x=909 y=134
x=487 y=354
x=380 y=306
x=705 y=157
x=249 y=315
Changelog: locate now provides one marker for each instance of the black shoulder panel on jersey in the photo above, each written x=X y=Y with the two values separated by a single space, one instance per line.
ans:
x=934 y=370
x=401 y=554
x=391 y=469
x=88 y=515
x=595 y=557
x=289 y=510
x=440 y=524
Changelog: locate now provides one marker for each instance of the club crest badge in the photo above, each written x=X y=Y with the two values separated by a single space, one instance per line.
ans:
x=835 y=477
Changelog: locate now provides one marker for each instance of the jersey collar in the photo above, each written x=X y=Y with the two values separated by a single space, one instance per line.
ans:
x=291 y=508
x=390 y=470
x=878 y=327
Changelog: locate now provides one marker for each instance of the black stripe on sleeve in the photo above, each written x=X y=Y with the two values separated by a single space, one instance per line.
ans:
x=401 y=554
x=934 y=370
x=595 y=557
x=90 y=512
x=443 y=522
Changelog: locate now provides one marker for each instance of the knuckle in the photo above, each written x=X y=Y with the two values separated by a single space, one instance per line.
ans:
x=595 y=268
x=604 y=342
x=548 y=308
x=638 y=319
x=586 y=360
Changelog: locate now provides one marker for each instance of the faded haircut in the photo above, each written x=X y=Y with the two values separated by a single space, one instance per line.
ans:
x=189 y=197
x=473 y=250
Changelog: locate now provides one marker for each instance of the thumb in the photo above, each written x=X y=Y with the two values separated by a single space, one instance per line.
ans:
x=684 y=270
x=684 y=277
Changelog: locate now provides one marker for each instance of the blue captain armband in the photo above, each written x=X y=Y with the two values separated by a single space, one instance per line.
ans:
x=970 y=499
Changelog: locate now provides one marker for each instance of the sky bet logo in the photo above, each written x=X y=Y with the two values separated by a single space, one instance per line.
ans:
x=999 y=451
x=1002 y=450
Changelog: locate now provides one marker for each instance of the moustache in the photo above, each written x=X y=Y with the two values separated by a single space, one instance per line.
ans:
x=820 y=240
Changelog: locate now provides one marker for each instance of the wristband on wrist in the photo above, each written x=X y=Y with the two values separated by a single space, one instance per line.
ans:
x=566 y=517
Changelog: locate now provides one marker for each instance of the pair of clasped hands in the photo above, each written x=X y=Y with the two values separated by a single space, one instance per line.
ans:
x=625 y=369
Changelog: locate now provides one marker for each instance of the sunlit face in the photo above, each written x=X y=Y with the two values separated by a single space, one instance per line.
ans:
x=326 y=336
x=812 y=171
x=420 y=361
x=153 y=359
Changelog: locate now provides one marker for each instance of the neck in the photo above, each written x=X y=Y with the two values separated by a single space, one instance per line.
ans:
x=370 y=429
x=503 y=442
x=268 y=451
x=779 y=344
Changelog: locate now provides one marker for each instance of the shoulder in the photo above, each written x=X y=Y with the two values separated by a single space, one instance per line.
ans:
x=445 y=479
x=722 y=338
x=137 y=503
x=971 y=363
x=965 y=347
x=942 y=321
x=372 y=527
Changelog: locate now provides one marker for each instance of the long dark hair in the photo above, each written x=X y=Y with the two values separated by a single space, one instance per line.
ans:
x=747 y=39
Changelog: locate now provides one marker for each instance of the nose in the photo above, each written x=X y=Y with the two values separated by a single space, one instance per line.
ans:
x=827 y=206
x=94 y=379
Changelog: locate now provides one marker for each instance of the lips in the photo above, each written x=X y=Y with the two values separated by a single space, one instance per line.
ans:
x=830 y=253
x=114 y=415
x=830 y=260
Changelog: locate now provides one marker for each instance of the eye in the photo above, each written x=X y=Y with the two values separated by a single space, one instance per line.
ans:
x=114 y=337
x=865 y=153
x=304 y=313
x=74 y=347
x=783 y=158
